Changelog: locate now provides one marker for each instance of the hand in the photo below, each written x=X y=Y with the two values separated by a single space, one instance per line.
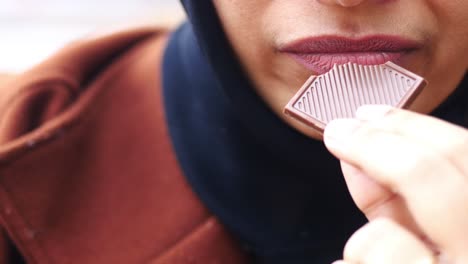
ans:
x=411 y=170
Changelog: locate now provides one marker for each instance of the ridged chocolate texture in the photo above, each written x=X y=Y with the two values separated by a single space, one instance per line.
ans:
x=339 y=92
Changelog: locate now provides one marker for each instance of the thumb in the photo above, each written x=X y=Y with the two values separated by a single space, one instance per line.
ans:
x=376 y=201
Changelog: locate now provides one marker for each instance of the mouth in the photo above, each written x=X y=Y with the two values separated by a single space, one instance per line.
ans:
x=320 y=54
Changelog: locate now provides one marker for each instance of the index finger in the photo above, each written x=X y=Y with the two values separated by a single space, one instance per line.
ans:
x=429 y=180
x=444 y=137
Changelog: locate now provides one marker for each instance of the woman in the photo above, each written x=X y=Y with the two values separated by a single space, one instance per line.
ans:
x=91 y=175
x=428 y=33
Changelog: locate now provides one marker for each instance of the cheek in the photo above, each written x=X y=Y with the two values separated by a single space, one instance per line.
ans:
x=250 y=30
x=452 y=17
x=242 y=21
x=452 y=37
x=447 y=56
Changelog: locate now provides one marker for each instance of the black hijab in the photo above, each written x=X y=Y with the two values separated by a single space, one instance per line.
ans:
x=280 y=193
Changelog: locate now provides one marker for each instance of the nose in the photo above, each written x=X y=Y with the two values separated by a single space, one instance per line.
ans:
x=345 y=3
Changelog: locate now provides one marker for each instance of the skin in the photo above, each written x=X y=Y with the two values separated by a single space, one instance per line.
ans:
x=417 y=204
x=410 y=185
x=258 y=29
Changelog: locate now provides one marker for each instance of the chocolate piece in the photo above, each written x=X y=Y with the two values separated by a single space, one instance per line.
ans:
x=339 y=92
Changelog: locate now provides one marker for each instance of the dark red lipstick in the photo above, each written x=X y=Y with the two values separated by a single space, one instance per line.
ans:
x=319 y=54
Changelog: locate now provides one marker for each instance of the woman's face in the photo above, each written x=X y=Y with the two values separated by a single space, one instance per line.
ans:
x=282 y=42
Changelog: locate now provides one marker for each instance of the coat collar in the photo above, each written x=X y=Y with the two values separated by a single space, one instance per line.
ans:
x=87 y=171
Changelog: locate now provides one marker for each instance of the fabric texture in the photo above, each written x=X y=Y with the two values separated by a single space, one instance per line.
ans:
x=280 y=193
x=87 y=170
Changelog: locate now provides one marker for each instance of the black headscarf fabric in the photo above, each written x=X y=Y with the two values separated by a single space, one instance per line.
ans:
x=280 y=193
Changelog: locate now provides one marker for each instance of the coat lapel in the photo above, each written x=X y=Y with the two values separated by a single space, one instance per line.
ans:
x=87 y=171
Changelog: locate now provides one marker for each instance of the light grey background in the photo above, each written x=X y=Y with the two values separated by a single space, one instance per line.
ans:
x=31 y=30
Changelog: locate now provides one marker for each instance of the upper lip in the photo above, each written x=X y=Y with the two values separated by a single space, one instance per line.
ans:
x=339 y=44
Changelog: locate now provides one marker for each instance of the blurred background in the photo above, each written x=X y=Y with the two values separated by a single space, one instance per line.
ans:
x=30 y=30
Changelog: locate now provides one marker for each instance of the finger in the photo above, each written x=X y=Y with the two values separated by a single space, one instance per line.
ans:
x=341 y=262
x=366 y=192
x=382 y=241
x=376 y=201
x=446 y=138
x=432 y=186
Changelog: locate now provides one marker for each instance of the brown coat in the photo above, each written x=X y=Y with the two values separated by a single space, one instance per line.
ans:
x=87 y=171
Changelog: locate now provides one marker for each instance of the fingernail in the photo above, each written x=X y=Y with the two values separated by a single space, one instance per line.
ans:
x=428 y=260
x=339 y=132
x=339 y=262
x=372 y=112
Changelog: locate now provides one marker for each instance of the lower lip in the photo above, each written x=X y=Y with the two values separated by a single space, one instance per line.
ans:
x=323 y=62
